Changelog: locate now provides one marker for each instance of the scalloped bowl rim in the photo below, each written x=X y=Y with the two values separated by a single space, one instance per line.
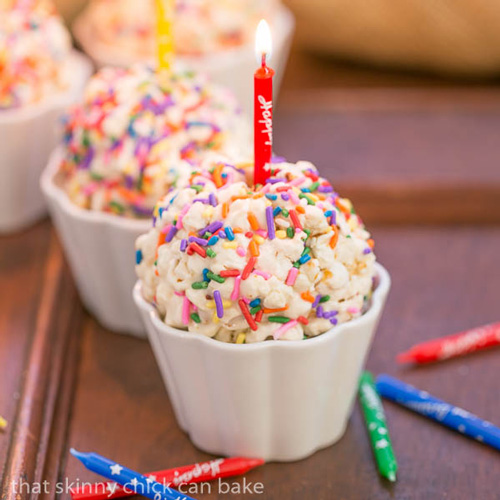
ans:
x=58 y=100
x=377 y=303
x=56 y=193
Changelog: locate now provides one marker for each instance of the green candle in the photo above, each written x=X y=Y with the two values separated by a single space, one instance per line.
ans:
x=377 y=427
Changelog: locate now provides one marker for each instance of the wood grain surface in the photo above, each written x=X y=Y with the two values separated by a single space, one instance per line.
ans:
x=444 y=280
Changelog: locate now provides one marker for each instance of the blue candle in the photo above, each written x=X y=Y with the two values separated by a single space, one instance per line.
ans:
x=133 y=481
x=444 y=413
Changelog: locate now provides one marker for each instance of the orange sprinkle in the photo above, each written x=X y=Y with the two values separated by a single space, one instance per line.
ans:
x=371 y=243
x=307 y=297
x=240 y=197
x=280 y=309
x=257 y=196
x=218 y=175
x=342 y=206
x=237 y=230
x=254 y=248
x=334 y=238
x=254 y=223
x=161 y=239
x=300 y=209
x=225 y=209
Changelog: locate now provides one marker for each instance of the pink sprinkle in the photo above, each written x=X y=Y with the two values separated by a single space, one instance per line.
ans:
x=185 y=311
x=182 y=213
x=353 y=310
x=297 y=182
x=283 y=329
x=265 y=275
x=292 y=276
x=266 y=189
x=246 y=300
x=179 y=294
x=295 y=199
x=166 y=229
x=90 y=188
x=262 y=233
x=241 y=252
x=236 y=290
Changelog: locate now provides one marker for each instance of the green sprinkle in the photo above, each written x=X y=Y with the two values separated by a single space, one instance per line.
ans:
x=195 y=317
x=296 y=264
x=96 y=177
x=255 y=310
x=308 y=232
x=348 y=236
x=314 y=186
x=304 y=337
x=198 y=285
x=212 y=254
x=278 y=319
x=306 y=251
x=117 y=206
x=325 y=298
x=196 y=187
x=309 y=200
x=213 y=276
x=290 y=232
x=285 y=212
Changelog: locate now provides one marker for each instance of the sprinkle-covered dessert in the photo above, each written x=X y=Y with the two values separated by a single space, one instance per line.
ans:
x=201 y=26
x=34 y=51
x=287 y=260
x=137 y=133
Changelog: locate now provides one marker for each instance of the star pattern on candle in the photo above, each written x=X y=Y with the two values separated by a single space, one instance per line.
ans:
x=150 y=479
x=383 y=443
x=116 y=469
x=134 y=482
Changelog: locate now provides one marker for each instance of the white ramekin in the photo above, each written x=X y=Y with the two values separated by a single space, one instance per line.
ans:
x=278 y=400
x=27 y=137
x=100 y=248
x=232 y=68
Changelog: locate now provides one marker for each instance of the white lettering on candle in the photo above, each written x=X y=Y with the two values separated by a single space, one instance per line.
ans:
x=267 y=118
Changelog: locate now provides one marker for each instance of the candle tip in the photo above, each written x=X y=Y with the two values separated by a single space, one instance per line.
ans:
x=263 y=42
x=77 y=454
x=404 y=357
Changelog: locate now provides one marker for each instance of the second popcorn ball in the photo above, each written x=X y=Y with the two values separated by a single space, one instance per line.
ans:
x=285 y=261
x=137 y=134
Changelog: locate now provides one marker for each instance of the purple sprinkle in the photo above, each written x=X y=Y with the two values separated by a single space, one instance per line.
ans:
x=285 y=196
x=316 y=301
x=212 y=200
x=367 y=251
x=222 y=234
x=275 y=180
x=319 y=312
x=333 y=218
x=278 y=159
x=184 y=245
x=218 y=304
x=212 y=228
x=270 y=223
x=334 y=321
x=171 y=234
x=325 y=189
x=202 y=200
x=330 y=314
x=200 y=241
x=129 y=182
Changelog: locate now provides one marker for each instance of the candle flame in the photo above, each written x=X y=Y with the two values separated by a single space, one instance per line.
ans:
x=263 y=41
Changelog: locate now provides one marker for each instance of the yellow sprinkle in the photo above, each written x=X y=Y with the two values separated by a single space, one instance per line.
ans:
x=208 y=212
x=281 y=234
x=230 y=244
x=240 y=339
x=353 y=223
x=3 y=423
x=210 y=304
x=313 y=196
x=258 y=239
x=215 y=319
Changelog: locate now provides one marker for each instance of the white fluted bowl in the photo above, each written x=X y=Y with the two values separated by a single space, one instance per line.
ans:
x=27 y=137
x=100 y=248
x=232 y=68
x=278 y=400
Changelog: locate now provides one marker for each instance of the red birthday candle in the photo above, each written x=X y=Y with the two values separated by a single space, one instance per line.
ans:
x=197 y=473
x=263 y=105
x=453 y=345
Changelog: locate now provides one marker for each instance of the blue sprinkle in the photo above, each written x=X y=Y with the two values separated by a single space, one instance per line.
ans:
x=255 y=302
x=213 y=240
x=272 y=197
x=305 y=190
x=328 y=213
x=205 y=277
x=305 y=258
x=229 y=233
x=276 y=211
x=138 y=257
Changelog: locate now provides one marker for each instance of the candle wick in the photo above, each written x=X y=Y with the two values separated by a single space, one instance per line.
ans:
x=263 y=59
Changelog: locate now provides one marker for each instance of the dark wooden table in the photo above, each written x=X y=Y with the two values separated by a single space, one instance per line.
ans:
x=414 y=152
